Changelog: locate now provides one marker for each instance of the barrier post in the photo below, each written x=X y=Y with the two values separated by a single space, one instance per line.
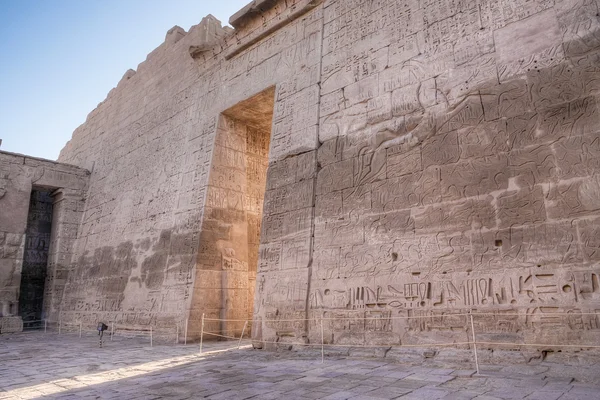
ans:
x=474 y=341
x=45 y=325
x=150 y=336
x=242 y=335
x=201 y=332
x=322 y=343
x=59 y=326
x=177 y=335
x=79 y=329
x=112 y=330
x=185 y=332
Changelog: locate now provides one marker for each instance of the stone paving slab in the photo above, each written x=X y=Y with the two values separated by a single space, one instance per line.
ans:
x=50 y=366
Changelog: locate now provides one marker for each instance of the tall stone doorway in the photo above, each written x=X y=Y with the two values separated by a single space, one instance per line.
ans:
x=230 y=238
x=35 y=256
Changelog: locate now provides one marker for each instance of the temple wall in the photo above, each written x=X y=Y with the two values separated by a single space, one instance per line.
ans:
x=228 y=258
x=19 y=176
x=427 y=159
x=458 y=172
x=149 y=154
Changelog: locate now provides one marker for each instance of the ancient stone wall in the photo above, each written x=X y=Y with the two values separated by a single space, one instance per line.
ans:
x=458 y=171
x=427 y=159
x=230 y=238
x=150 y=148
x=56 y=192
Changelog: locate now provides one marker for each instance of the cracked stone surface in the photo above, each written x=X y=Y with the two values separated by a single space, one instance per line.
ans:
x=38 y=365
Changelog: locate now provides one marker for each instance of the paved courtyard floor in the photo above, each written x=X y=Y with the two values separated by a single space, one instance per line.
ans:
x=38 y=365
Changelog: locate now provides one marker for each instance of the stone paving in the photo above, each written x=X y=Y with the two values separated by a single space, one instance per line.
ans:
x=38 y=365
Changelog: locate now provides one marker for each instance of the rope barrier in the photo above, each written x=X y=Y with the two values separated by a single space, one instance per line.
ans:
x=471 y=344
x=421 y=345
x=332 y=319
x=122 y=329
x=69 y=324
x=248 y=323
x=219 y=335
x=539 y=345
x=534 y=315
x=475 y=314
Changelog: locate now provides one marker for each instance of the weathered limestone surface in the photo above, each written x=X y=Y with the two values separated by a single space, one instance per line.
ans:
x=20 y=176
x=230 y=237
x=426 y=158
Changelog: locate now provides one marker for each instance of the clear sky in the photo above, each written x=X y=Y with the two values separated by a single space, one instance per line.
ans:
x=60 y=58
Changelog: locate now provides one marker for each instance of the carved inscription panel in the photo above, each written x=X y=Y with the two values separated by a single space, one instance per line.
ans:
x=426 y=158
x=458 y=170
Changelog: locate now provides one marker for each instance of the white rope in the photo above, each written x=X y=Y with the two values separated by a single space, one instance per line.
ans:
x=539 y=345
x=500 y=314
x=367 y=346
x=421 y=345
x=406 y=317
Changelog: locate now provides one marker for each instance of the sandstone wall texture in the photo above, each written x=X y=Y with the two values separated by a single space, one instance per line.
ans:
x=426 y=159
x=35 y=256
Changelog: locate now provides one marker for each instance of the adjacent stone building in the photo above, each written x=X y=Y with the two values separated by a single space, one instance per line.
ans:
x=381 y=167
x=41 y=203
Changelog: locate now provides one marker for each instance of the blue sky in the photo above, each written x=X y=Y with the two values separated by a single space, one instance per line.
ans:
x=60 y=58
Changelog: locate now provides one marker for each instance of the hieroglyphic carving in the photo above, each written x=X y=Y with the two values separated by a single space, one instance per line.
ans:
x=521 y=207
x=497 y=15
x=589 y=232
x=436 y=253
x=536 y=291
x=335 y=176
x=533 y=165
x=579 y=26
x=440 y=150
x=288 y=291
x=427 y=158
x=474 y=177
x=559 y=84
x=578 y=198
x=407 y=191
x=462 y=216
x=508 y=99
x=530 y=245
x=577 y=117
x=578 y=156
x=543 y=45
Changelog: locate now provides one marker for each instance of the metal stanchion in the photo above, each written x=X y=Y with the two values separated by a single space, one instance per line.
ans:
x=185 y=332
x=59 y=326
x=45 y=325
x=474 y=342
x=79 y=329
x=150 y=336
x=322 y=343
x=177 y=335
x=201 y=332
x=112 y=330
x=101 y=328
x=242 y=335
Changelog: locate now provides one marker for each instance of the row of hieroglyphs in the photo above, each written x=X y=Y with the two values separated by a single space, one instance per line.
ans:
x=390 y=322
x=165 y=301
x=540 y=319
x=433 y=160
x=537 y=293
x=538 y=287
x=128 y=319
